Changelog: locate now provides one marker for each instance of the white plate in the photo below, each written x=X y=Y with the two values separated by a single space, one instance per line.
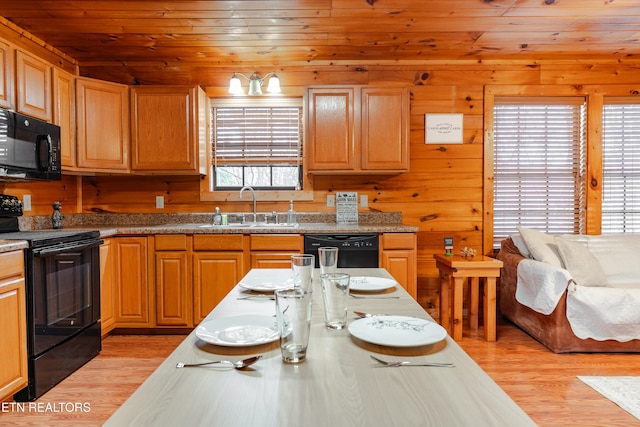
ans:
x=267 y=279
x=239 y=331
x=397 y=331
x=362 y=283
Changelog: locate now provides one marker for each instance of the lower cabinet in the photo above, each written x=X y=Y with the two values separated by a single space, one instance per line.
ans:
x=218 y=265
x=13 y=324
x=173 y=289
x=132 y=293
x=398 y=257
x=274 y=250
x=107 y=285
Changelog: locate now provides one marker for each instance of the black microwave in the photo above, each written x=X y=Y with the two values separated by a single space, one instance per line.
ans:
x=29 y=148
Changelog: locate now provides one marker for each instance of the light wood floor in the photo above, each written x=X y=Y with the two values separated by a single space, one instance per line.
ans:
x=544 y=384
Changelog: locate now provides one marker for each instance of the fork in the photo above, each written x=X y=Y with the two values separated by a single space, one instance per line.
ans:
x=373 y=297
x=385 y=363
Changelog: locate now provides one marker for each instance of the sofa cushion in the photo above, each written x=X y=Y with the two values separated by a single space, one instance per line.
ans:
x=585 y=268
x=542 y=246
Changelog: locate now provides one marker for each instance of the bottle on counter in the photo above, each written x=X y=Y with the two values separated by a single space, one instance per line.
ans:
x=291 y=214
x=217 y=217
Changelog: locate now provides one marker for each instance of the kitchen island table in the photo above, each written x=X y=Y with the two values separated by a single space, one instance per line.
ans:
x=337 y=385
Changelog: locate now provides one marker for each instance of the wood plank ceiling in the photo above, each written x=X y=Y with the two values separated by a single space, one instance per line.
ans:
x=288 y=33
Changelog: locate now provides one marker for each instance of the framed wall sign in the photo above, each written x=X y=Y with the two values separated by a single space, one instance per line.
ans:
x=443 y=128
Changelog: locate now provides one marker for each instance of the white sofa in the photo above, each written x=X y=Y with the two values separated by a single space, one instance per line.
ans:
x=573 y=292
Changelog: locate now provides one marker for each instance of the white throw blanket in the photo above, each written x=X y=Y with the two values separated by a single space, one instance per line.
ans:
x=540 y=285
x=600 y=313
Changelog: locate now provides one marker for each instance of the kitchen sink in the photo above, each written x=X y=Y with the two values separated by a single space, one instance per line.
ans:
x=250 y=225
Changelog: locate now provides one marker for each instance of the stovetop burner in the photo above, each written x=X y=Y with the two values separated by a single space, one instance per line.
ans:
x=41 y=238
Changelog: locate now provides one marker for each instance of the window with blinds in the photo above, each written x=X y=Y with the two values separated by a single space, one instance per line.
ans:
x=539 y=165
x=258 y=144
x=620 y=167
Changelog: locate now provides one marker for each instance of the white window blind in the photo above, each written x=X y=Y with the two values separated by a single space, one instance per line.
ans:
x=539 y=165
x=621 y=168
x=257 y=144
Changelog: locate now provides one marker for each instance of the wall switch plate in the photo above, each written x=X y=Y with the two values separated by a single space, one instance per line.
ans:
x=26 y=202
x=364 y=201
x=159 y=202
x=331 y=200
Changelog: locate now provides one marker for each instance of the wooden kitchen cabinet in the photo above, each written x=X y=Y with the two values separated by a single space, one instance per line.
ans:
x=357 y=129
x=274 y=250
x=13 y=324
x=398 y=256
x=33 y=86
x=218 y=265
x=64 y=115
x=7 y=76
x=132 y=306
x=102 y=126
x=168 y=129
x=173 y=287
x=108 y=275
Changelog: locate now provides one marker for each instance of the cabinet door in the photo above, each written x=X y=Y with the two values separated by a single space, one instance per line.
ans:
x=164 y=132
x=103 y=125
x=33 y=80
x=174 y=299
x=401 y=264
x=64 y=115
x=7 y=76
x=107 y=286
x=385 y=129
x=214 y=275
x=331 y=129
x=132 y=290
x=13 y=324
x=398 y=256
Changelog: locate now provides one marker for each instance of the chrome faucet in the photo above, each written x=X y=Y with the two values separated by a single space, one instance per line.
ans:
x=253 y=194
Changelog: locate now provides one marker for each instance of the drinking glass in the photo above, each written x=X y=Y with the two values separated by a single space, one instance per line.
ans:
x=302 y=266
x=293 y=313
x=328 y=259
x=335 y=293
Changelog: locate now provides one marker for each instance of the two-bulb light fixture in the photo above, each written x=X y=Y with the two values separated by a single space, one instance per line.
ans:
x=255 y=84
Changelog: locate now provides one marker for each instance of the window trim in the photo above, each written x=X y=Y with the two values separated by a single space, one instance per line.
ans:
x=207 y=193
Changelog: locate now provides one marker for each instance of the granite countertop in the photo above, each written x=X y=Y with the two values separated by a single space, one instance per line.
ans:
x=201 y=223
x=12 y=245
x=302 y=228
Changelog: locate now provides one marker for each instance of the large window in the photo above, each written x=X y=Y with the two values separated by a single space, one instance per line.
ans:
x=257 y=144
x=539 y=165
x=621 y=167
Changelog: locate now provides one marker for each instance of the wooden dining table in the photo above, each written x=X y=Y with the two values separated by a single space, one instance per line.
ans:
x=337 y=385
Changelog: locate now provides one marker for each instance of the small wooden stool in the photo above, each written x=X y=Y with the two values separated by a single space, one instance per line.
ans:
x=453 y=272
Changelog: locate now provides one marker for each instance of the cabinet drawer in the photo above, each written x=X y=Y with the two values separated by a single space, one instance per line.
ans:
x=277 y=242
x=171 y=242
x=218 y=242
x=398 y=241
x=11 y=264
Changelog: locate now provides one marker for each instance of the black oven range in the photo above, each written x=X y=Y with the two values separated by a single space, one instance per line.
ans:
x=62 y=272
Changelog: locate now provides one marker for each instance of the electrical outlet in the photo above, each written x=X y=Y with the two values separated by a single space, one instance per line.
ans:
x=364 y=201
x=331 y=200
x=26 y=202
x=159 y=202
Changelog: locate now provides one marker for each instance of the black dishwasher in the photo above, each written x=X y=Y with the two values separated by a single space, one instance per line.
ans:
x=354 y=250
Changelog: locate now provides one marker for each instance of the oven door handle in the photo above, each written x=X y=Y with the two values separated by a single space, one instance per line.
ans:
x=69 y=247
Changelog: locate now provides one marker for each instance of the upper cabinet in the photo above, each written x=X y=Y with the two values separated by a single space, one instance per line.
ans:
x=357 y=129
x=64 y=115
x=102 y=114
x=33 y=82
x=168 y=129
x=6 y=75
